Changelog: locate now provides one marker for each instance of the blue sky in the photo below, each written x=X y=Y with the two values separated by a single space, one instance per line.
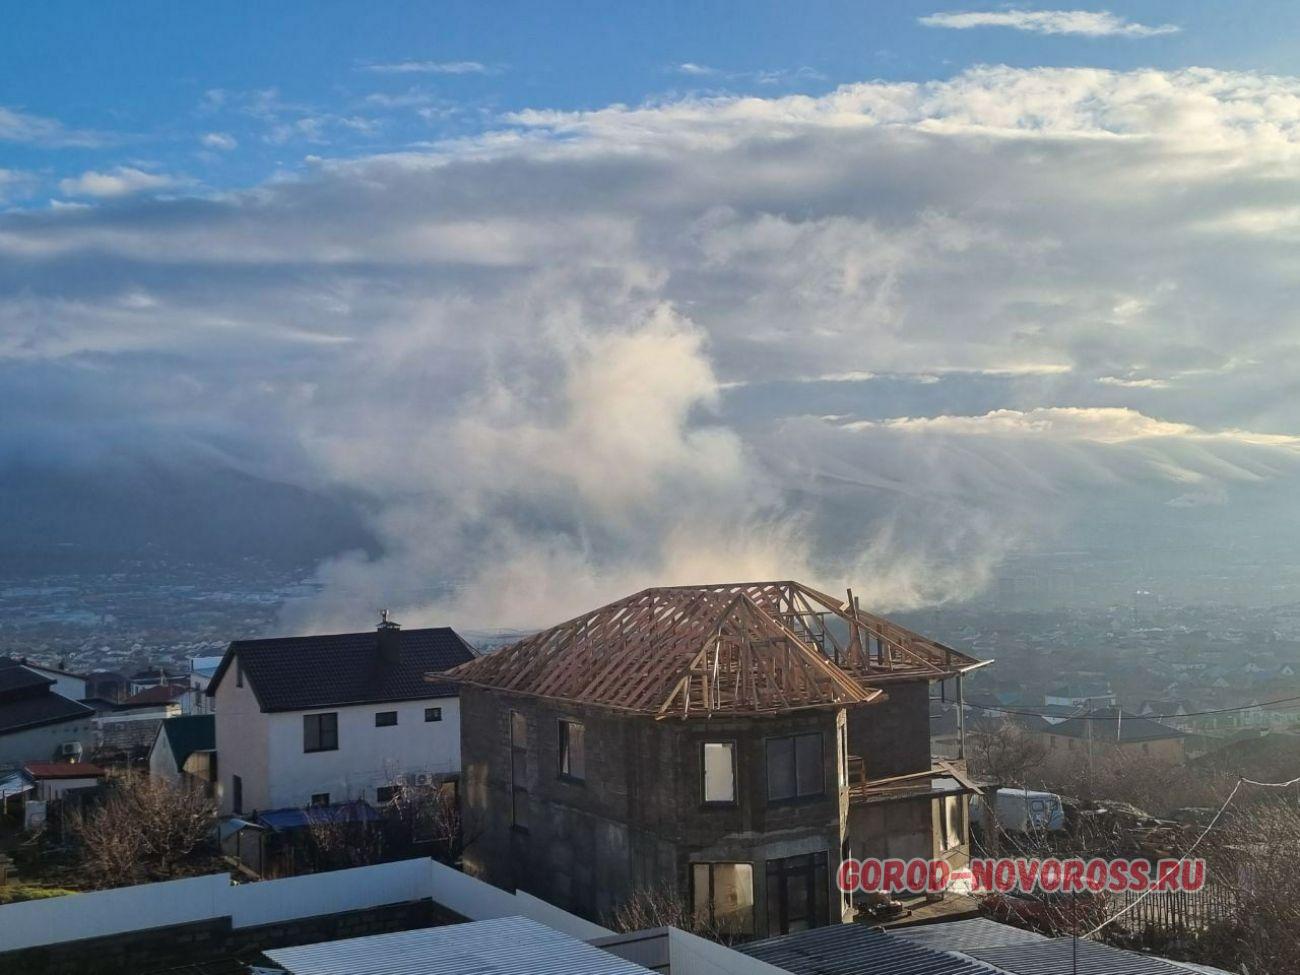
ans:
x=219 y=95
x=566 y=300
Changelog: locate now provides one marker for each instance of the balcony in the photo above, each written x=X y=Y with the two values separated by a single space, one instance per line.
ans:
x=943 y=778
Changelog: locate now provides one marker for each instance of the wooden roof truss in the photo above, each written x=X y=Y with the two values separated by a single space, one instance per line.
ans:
x=693 y=651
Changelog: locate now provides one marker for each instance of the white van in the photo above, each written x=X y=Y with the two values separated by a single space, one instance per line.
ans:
x=1021 y=811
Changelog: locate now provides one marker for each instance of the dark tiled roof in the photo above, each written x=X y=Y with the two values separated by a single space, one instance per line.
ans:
x=976 y=932
x=14 y=676
x=1054 y=956
x=42 y=709
x=851 y=949
x=189 y=734
x=63 y=770
x=301 y=673
x=1112 y=724
x=158 y=694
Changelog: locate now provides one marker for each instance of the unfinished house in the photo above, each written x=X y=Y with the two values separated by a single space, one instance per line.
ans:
x=722 y=746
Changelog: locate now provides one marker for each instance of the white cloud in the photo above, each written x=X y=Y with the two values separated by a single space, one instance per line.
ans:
x=698 y=70
x=1087 y=23
x=120 y=181
x=1124 y=382
x=554 y=360
x=15 y=183
x=16 y=126
x=431 y=67
x=219 y=140
x=1103 y=425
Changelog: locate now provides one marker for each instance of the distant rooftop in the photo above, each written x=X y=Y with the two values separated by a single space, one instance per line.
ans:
x=1114 y=724
x=740 y=648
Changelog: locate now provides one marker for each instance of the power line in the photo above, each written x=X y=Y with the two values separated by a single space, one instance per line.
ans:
x=1147 y=717
x=1241 y=780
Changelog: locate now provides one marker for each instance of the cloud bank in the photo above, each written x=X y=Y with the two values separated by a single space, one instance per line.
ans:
x=887 y=336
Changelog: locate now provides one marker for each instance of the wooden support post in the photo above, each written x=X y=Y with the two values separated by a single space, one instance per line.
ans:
x=961 y=722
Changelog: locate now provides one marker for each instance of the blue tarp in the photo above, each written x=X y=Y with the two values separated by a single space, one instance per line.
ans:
x=342 y=812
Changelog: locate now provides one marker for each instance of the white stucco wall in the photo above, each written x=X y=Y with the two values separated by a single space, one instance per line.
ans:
x=67 y=685
x=41 y=744
x=162 y=765
x=367 y=758
x=242 y=731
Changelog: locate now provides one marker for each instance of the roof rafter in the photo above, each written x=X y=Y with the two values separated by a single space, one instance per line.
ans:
x=695 y=651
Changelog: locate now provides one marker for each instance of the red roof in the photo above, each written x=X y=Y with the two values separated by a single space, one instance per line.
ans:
x=158 y=694
x=63 y=770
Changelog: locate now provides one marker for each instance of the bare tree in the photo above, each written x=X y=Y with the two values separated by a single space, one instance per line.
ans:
x=144 y=830
x=343 y=836
x=1253 y=857
x=657 y=907
x=431 y=814
x=1006 y=754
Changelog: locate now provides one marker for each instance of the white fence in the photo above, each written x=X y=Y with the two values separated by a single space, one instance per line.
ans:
x=213 y=897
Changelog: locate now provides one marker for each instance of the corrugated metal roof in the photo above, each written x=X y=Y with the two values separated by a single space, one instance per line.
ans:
x=850 y=949
x=1054 y=956
x=976 y=932
x=504 y=946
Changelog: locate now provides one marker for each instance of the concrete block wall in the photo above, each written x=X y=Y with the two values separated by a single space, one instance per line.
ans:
x=638 y=820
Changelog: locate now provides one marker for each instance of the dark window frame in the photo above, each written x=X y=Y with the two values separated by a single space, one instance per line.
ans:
x=797 y=795
x=321 y=736
x=392 y=792
x=432 y=714
x=237 y=795
x=385 y=723
x=519 y=770
x=735 y=775
x=812 y=870
x=564 y=727
x=319 y=799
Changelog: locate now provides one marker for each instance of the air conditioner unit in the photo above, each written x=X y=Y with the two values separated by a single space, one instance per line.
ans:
x=423 y=778
x=70 y=749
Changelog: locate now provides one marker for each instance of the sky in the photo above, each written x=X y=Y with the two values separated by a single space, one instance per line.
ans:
x=564 y=300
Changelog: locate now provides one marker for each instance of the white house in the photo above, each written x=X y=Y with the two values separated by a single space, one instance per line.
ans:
x=66 y=684
x=320 y=720
x=37 y=724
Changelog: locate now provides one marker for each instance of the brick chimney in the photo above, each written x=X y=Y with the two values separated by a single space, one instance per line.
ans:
x=390 y=640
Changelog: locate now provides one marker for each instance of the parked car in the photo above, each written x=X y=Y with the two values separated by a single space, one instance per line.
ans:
x=1049 y=914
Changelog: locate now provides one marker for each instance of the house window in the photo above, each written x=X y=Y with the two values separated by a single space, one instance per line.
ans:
x=950 y=825
x=320 y=732
x=519 y=770
x=386 y=794
x=722 y=895
x=237 y=795
x=798 y=890
x=385 y=719
x=720 y=771
x=794 y=767
x=239 y=673
x=573 y=750
x=433 y=714
x=320 y=799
